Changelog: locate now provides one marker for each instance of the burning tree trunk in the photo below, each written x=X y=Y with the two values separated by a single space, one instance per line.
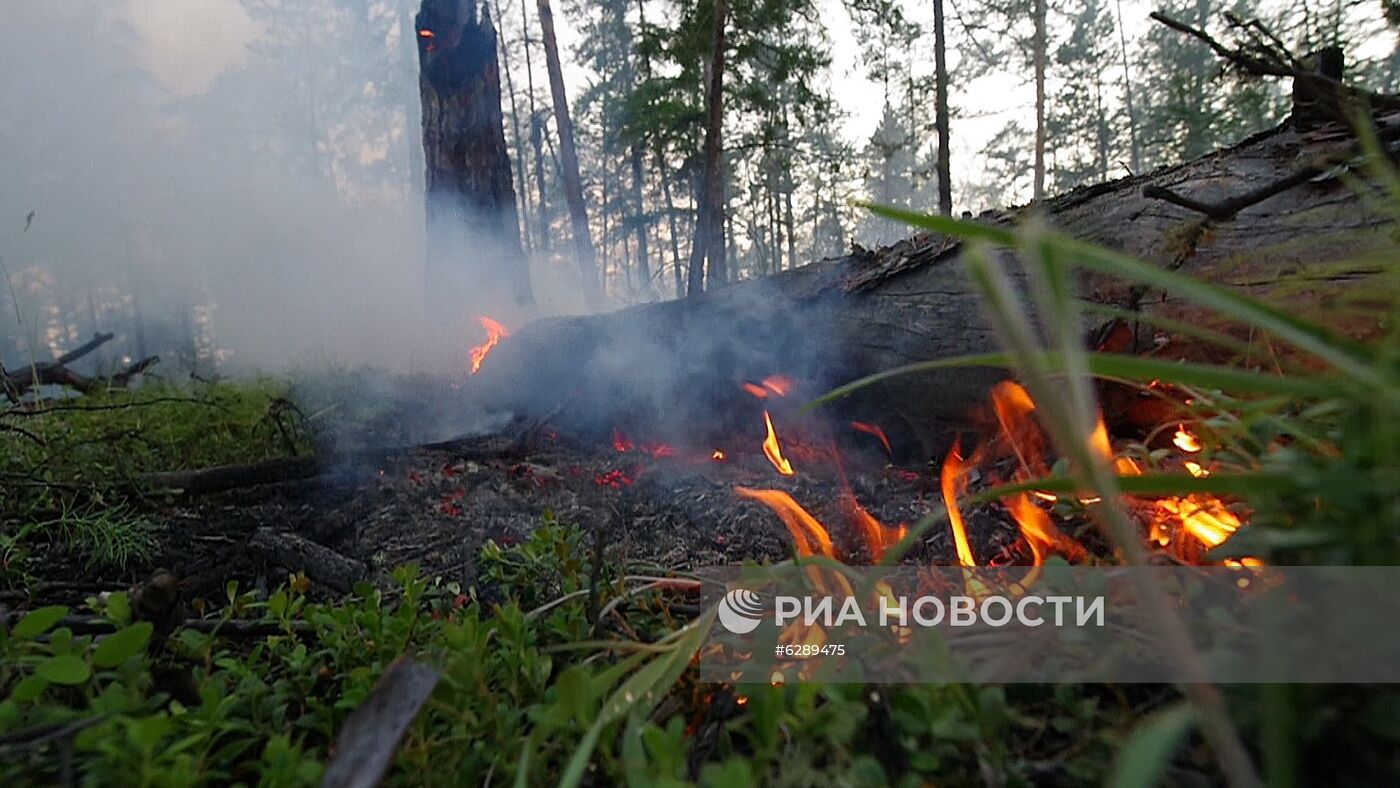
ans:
x=831 y=321
x=473 y=227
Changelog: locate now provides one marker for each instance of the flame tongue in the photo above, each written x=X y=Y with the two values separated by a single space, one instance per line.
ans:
x=495 y=332
x=772 y=450
x=953 y=481
x=809 y=535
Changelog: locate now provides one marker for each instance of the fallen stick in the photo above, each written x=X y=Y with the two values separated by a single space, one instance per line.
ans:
x=299 y=554
x=229 y=477
x=366 y=745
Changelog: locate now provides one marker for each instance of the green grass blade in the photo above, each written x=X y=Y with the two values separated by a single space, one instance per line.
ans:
x=640 y=693
x=1149 y=749
x=1114 y=365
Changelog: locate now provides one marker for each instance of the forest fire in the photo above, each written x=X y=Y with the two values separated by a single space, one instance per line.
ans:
x=1020 y=443
x=495 y=332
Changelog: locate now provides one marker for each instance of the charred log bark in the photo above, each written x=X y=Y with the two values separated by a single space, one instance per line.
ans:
x=471 y=209
x=830 y=321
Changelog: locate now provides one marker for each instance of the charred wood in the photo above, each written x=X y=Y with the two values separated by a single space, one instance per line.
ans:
x=677 y=364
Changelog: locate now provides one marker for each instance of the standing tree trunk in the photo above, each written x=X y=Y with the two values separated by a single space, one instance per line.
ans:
x=671 y=228
x=1039 y=46
x=640 y=225
x=1128 y=93
x=573 y=189
x=709 y=225
x=536 y=133
x=473 y=228
x=940 y=103
x=519 y=140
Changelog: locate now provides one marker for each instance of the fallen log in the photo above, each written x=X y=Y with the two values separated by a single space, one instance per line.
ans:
x=299 y=554
x=674 y=367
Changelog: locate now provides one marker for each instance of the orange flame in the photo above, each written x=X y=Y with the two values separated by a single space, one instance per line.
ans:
x=953 y=481
x=756 y=390
x=717 y=455
x=873 y=429
x=1185 y=440
x=495 y=332
x=772 y=450
x=878 y=537
x=809 y=535
x=778 y=384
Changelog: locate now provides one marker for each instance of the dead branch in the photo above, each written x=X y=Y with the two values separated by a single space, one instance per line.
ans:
x=1227 y=208
x=230 y=477
x=367 y=743
x=299 y=554
x=97 y=341
x=1266 y=57
x=55 y=373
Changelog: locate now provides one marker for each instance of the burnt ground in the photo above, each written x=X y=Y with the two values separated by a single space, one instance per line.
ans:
x=438 y=505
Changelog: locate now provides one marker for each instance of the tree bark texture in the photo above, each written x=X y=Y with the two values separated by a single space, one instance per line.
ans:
x=473 y=226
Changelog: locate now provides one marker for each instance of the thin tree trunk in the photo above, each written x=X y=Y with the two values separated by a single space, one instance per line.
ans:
x=672 y=231
x=1039 y=45
x=412 y=110
x=643 y=248
x=573 y=189
x=709 y=231
x=940 y=102
x=536 y=133
x=1128 y=92
x=524 y=204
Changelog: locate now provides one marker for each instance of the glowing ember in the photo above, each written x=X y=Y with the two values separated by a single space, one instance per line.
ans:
x=953 y=480
x=614 y=479
x=1185 y=441
x=717 y=455
x=772 y=450
x=778 y=384
x=808 y=535
x=873 y=429
x=495 y=332
x=621 y=442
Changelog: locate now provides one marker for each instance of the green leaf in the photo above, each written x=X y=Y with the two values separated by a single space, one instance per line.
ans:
x=119 y=608
x=121 y=645
x=1147 y=752
x=64 y=669
x=39 y=621
x=29 y=688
